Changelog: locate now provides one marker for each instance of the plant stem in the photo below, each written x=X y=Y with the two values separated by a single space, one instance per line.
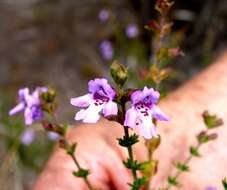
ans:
x=54 y=118
x=130 y=153
x=79 y=168
x=179 y=172
x=129 y=148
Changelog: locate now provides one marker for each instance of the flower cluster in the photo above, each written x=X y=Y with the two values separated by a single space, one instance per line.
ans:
x=101 y=99
x=30 y=103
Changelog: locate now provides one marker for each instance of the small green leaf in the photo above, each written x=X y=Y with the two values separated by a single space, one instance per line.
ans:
x=211 y=121
x=81 y=173
x=126 y=142
x=203 y=137
x=132 y=164
x=138 y=183
x=224 y=183
x=194 y=151
x=71 y=148
x=182 y=167
x=173 y=181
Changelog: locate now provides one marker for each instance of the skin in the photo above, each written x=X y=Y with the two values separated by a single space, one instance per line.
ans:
x=98 y=149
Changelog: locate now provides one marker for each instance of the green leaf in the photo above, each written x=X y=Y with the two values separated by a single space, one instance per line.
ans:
x=203 y=137
x=172 y=181
x=224 y=183
x=211 y=121
x=182 y=167
x=126 y=142
x=81 y=173
x=132 y=164
x=71 y=148
x=194 y=151
x=138 y=183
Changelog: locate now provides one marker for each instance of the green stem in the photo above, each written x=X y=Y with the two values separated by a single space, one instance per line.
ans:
x=179 y=172
x=129 y=148
x=79 y=168
x=130 y=153
x=54 y=118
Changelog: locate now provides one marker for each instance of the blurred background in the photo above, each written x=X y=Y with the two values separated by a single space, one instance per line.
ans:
x=64 y=44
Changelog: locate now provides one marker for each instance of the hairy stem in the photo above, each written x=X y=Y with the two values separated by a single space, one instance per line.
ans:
x=130 y=153
x=179 y=172
x=79 y=168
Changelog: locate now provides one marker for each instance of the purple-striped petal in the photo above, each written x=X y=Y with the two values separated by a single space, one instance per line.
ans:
x=146 y=128
x=110 y=108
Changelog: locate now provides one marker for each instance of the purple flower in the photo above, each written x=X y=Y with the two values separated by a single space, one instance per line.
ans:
x=30 y=104
x=143 y=110
x=132 y=30
x=99 y=99
x=104 y=15
x=53 y=136
x=27 y=137
x=106 y=50
x=211 y=188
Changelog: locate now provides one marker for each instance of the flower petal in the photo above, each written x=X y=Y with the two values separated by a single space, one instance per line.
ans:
x=28 y=116
x=147 y=128
x=147 y=95
x=110 y=108
x=82 y=101
x=89 y=115
x=80 y=115
x=28 y=136
x=17 y=109
x=158 y=114
x=92 y=113
x=101 y=86
x=130 y=118
x=23 y=93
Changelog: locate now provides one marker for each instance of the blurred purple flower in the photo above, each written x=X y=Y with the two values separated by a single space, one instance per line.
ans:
x=132 y=30
x=99 y=99
x=106 y=49
x=210 y=188
x=27 y=136
x=104 y=15
x=143 y=110
x=52 y=136
x=30 y=104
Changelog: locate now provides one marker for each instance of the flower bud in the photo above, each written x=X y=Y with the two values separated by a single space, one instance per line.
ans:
x=49 y=95
x=119 y=73
x=163 y=6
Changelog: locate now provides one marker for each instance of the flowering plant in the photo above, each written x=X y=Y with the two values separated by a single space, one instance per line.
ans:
x=135 y=109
